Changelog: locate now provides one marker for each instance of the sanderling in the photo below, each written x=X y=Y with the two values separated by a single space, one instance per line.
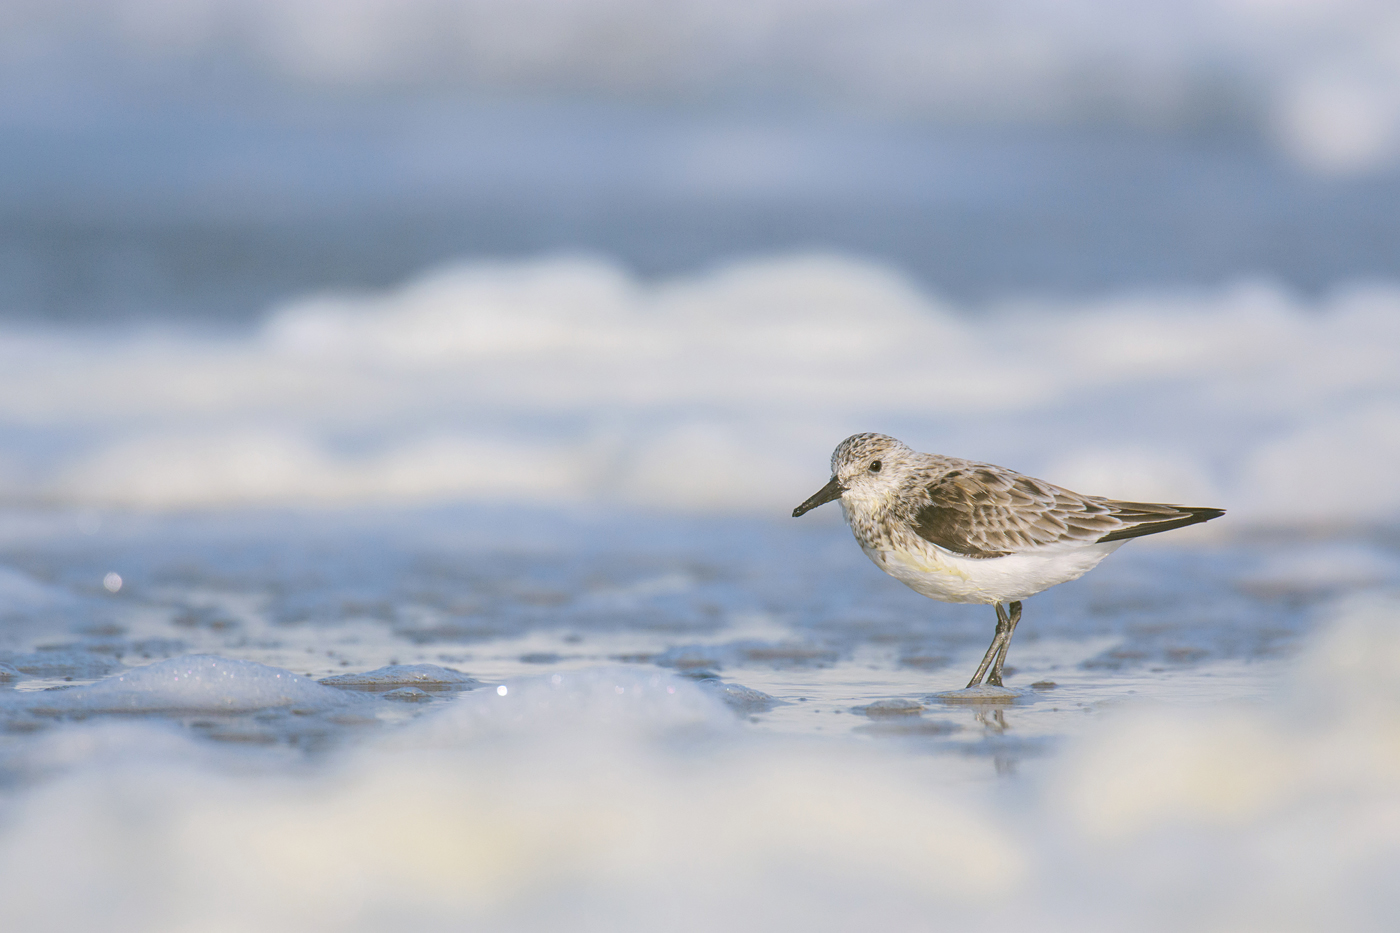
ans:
x=968 y=532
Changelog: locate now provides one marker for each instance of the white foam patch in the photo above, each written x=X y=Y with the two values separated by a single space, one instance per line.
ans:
x=196 y=683
x=261 y=466
x=1288 y=814
x=564 y=800
x=587 y=703
x=609 y=798
x=1329 y=460
x=569 y=381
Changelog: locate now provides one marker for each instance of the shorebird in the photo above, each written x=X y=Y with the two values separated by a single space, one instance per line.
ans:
x=967 y=532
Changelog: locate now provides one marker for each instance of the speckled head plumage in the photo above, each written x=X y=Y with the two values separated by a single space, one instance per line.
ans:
x=863 y=465
x=856 y=454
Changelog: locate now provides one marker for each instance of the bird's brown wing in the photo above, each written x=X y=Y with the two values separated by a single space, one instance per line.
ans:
x=984 y=511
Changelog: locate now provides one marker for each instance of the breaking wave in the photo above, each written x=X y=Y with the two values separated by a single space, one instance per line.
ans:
x=1320 y=77
x=568 y=380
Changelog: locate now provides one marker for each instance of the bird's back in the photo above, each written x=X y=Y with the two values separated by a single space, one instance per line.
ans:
x=981 y=510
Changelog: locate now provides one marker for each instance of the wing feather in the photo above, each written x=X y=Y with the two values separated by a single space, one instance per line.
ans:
x=982 y=511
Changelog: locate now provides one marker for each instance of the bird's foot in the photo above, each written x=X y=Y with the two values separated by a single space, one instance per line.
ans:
x=979 y=693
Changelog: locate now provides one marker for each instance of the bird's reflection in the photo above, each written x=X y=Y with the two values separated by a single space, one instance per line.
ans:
x=992 y=719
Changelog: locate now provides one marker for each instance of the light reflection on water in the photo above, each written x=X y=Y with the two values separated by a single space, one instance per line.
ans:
x=671 y=714
x=791 y=611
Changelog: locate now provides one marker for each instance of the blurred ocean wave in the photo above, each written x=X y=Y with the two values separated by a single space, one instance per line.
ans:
x=196 y=161
x=570 y=381
x=207 y=211
x=1318 y=76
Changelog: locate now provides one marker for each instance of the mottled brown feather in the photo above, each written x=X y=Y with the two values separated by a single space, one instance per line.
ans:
x=981 y=511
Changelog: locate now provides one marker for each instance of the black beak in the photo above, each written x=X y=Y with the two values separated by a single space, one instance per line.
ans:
x=831 y=490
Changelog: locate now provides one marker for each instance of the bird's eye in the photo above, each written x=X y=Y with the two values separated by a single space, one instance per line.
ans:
x=874 y=466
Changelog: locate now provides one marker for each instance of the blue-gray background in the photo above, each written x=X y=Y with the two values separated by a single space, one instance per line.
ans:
x=195 y=161
x=538 y=252
x=503 y=335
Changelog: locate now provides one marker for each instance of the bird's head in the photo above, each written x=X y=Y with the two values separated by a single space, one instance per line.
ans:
x=863 y=466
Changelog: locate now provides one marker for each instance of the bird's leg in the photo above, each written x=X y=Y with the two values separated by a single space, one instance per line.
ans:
x=1004 y=625
x=994 y=678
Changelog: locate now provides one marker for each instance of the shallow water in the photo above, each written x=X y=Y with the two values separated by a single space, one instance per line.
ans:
x=683 y=719
x=789 y=609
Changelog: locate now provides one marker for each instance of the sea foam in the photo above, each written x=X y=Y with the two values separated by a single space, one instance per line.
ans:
x=195 y=683
x=609 y=798
x=569 y=381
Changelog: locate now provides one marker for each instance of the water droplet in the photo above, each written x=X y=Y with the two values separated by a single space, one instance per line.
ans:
x=112 y=582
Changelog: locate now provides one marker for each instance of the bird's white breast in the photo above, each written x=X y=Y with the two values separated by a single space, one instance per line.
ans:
x=952 y=578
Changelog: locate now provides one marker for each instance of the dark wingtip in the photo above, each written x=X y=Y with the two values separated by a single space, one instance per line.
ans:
x=1193 y=516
